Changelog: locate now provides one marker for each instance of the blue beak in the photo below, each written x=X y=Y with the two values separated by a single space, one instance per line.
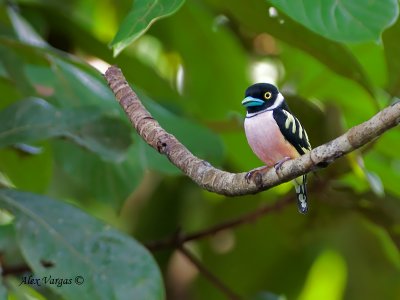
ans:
x=250 y=101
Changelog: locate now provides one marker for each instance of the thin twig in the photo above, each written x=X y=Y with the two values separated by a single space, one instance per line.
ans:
x=178 y=239
x=207 y=274
x=15 y=270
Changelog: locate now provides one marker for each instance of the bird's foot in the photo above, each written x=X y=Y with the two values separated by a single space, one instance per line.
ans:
x=256 y=175
x=278 y=165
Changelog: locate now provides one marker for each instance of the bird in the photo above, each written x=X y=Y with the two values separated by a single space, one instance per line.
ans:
x=274 y=134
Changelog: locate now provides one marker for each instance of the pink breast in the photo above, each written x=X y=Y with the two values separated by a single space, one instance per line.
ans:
x=266 y=139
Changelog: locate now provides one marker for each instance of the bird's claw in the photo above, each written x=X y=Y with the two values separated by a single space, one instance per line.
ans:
x=249 y=176
x=256 y=175
x=278 y=165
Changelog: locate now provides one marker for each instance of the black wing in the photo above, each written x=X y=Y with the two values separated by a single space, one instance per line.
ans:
x=292 y=130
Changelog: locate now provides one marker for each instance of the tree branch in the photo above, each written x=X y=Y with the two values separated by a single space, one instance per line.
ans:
x=179 y=239
x=210 y=276
x=15 y=270
x=235 y=184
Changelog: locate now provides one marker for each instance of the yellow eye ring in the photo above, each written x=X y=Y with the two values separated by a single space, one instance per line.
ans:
x=267 y=95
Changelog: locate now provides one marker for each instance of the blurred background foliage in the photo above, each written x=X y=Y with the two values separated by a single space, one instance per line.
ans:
x=69 y=157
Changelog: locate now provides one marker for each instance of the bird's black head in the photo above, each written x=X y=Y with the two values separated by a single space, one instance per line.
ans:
x=261 y=96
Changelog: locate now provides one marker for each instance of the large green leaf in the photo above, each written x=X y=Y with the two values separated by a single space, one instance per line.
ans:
x=86 y=176
x=65 y=79
x=107 y=136
x=73 y=86
x=61 y=241
x=342 y=20
x=35 y=119
x=140 y=18
x=108 y=181
x=113 y=182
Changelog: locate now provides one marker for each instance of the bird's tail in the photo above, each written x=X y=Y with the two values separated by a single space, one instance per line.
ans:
x=301 y=193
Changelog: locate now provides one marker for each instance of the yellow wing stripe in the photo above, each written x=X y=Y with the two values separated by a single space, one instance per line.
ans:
x=290 y=119
x=305 y=150
x=300 y=130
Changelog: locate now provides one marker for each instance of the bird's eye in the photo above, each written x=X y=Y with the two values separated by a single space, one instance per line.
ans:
x=267 y=95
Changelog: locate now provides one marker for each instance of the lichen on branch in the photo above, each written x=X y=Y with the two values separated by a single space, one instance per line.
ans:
x=235 y=184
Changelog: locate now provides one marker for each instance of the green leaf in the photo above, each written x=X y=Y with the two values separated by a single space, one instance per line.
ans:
x=392 y=50
x=342 y=20
x=14 y=67
x=78 y=84
x=12 y=161
x=35 y=119
x=24 y=30
x=327 y=277
x=108 y=136
x=9 y=92
x=21 y=292
x=347 y=234
x=72 y=29
x=88 y=177
x=142 y=15
x=10 y=252
x=385 y=168
x=375 y=183
x=5 y=182
x=112 y=264
x=69 y=81
x=110 y=181
x=334 y=55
